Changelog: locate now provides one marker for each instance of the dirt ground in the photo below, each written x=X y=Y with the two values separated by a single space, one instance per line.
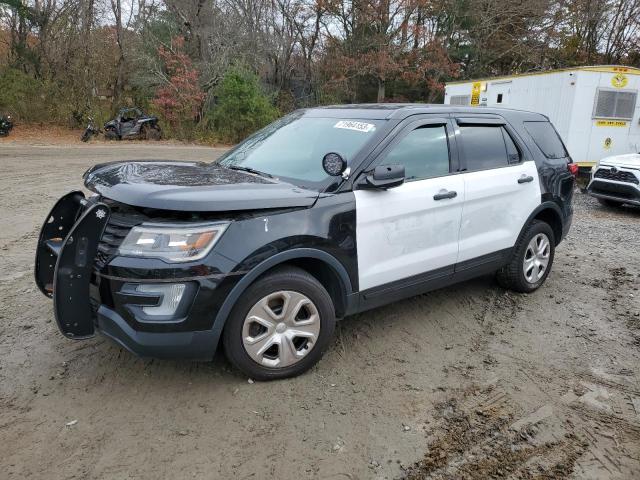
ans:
x=468 y=382
x=44 y=134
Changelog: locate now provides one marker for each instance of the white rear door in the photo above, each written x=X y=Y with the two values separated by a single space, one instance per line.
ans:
x=501 y=190
x=411 y=229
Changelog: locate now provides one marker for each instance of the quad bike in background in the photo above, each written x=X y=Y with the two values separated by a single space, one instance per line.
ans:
x=5 y=125
x=132 y=123
x=90 y=131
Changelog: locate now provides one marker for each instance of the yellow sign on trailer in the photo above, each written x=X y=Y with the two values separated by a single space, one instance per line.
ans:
x=476 y=88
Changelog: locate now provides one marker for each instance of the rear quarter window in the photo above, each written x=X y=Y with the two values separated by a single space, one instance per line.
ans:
x=547 y=139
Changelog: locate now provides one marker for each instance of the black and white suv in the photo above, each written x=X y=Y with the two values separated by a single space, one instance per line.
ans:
x=325 y=213
x=616 y=180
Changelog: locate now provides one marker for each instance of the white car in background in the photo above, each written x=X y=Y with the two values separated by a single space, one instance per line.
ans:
x=616 y=180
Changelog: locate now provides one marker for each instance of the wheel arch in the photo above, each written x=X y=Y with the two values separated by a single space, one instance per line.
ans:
x=549 y=213
x=322 y=265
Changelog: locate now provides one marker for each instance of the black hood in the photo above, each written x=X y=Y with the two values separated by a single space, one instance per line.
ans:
x=193 y=187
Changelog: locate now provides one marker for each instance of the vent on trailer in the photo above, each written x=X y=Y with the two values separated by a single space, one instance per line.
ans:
x=460 y=100
x=615 y=104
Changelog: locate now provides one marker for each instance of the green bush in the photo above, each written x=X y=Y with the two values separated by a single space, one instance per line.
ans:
x=22 y=96
x=242 y=107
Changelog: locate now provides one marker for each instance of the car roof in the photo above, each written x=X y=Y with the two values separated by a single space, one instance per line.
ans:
x=387 y=111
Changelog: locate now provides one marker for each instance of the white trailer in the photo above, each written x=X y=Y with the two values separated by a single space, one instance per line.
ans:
x=594 y=109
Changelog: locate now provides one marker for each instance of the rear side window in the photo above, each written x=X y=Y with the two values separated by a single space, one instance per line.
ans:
x=487 y=146
x=424 y=152
x=547 y=139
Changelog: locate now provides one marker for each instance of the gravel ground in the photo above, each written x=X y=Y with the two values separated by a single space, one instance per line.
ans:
x=468 y=382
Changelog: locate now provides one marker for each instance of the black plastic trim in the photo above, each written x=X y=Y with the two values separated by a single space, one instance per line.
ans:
x=548 y=205
x=195 y=345
x=433 y=280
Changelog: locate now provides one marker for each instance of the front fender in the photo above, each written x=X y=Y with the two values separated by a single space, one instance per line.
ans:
x=268 y=264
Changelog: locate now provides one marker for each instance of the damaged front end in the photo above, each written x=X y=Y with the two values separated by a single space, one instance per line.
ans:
x=67 y=247
x=151 y=305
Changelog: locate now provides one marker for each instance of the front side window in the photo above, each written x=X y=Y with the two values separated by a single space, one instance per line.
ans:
x=292 y=147
x=486 y=146
x=424 y=153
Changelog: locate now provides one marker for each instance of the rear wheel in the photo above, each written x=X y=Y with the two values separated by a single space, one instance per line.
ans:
x=151 y=132
x=609 y=203
x=531 y=259
x=280 y=326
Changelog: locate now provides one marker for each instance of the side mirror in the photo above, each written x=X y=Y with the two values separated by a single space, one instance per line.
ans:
x=383 y=177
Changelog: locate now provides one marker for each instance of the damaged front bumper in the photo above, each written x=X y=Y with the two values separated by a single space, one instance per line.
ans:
x=67 y=246
x=126 y=298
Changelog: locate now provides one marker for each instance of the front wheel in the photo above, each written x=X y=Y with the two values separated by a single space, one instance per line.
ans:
x=111 y=134
x=531 y=259
x=280 y=326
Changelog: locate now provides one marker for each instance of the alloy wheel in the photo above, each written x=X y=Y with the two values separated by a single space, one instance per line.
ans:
x=536 y=258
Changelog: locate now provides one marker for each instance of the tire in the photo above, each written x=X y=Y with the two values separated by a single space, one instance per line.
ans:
x=513 y=276
x=609 y=203
x=86 y=136
x=269 y=292
x=150 y=132
x=110 y=134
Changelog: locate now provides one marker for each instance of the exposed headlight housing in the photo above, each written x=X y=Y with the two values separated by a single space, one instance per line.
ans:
x=172 y=243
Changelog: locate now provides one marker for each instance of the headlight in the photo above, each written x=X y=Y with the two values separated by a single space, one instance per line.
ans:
x=171 y=243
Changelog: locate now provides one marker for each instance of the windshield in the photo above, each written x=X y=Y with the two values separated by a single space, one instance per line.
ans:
x=293 y=146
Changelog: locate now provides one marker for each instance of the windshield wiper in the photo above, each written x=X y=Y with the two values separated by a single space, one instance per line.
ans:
x=250 y=170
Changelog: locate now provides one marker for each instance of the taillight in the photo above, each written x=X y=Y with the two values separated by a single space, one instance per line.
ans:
x=573 y=168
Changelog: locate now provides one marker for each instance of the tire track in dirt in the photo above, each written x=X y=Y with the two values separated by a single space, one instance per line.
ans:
x=481 y=434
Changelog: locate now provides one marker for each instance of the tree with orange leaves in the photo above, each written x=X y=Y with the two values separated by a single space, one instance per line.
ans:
x=382 y=40
x=179 y=98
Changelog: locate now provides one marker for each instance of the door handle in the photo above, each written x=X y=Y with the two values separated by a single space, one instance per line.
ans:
x=525 y=179
x=444 y=194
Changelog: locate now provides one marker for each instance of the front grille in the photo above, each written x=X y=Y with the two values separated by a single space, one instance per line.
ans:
x=116 y=230
x=619 y=176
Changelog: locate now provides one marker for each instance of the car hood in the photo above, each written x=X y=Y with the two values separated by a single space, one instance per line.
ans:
x=631 y=160
x=190 y=186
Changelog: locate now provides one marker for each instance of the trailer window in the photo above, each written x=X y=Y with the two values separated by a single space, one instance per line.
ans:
x=547 y=139
x=460 y=100
x=615 y=104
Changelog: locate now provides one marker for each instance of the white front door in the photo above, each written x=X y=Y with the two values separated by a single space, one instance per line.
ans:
x=501 y=191
x=411 y=229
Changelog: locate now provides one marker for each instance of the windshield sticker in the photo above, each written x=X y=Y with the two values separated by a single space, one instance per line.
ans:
x=357 y=126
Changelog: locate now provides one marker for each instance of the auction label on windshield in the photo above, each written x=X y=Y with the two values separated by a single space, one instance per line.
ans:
x=358 y=126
